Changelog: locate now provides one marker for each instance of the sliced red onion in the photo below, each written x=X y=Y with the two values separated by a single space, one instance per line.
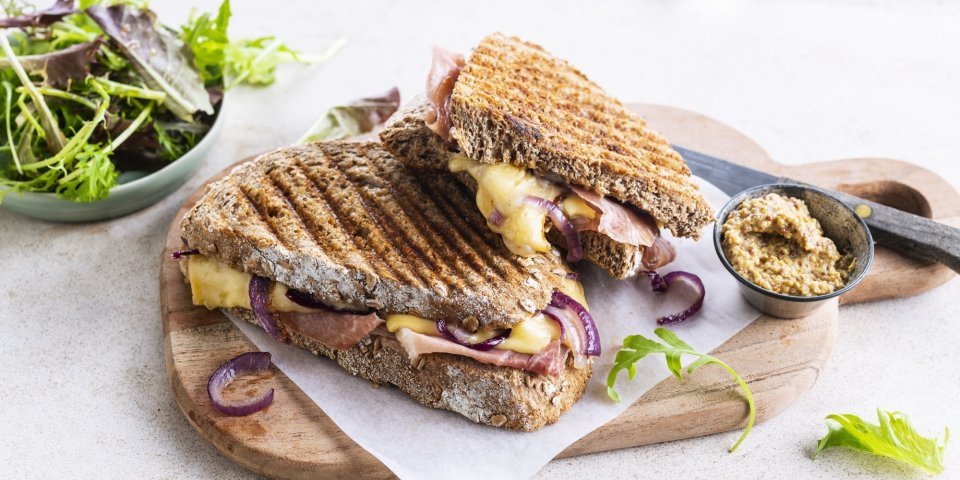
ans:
x=658 y=255
x=306 y=301
x=566 y=227
x=184 y=253
x=462 y=337
x=573 y=276
x=496 y=218
x=247 y=363
x=660 y=284
x=591 y=336
x=260 y=302
x=569 y=322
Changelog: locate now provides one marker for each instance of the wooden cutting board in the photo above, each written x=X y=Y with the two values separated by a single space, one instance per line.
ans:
x=781 y=359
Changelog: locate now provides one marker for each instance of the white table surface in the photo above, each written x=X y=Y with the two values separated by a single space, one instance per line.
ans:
x=83 y=387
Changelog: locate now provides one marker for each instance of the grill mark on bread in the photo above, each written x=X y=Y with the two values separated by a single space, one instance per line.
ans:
x=412 y=206
x=260 y=214
x=373 y=213
x=226 y=225
x=282 y=194
x=379 y=266
x=306 y=219
x=514 y=102
x=465 y=229
x=376 y=212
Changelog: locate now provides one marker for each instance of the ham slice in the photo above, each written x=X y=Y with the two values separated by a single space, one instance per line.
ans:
x=338 y=330
x=617 y=221
x=549 y=361
x=443 y=75
x=625 y=225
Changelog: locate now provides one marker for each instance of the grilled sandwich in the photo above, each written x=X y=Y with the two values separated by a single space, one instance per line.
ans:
x=535 y=139
x=340 y=249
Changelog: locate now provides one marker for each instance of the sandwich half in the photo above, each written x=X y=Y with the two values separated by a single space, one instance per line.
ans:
x=340 y=249
x=535 y=139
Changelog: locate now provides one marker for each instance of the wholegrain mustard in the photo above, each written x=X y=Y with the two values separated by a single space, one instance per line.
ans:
x=776 y=244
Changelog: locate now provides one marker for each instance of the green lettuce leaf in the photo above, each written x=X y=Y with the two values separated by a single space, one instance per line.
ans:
x=636 y=347
x=231 y=63
x=355 y=118
x=207 y=38
x=158 y=55
x=893 y=438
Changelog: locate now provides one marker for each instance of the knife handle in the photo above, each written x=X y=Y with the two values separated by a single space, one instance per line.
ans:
x=906 y=233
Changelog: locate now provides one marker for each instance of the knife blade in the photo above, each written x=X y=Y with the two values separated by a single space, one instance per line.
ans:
x=909 y=234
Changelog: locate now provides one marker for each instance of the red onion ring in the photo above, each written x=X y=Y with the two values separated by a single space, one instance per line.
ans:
x=243 y=364
x=661 y=284
x=566 y=227
x=496 y=218
x=259 y=291
x=573 y=276
x=658 y=255
x=591 y=335
x=306 y=301
x=461 y=337
x=184 y=253
x=568 y=321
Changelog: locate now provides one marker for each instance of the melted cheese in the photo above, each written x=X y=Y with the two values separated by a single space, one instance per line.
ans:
x=504 y=187
x=529 y=336
x=215 y=285
x=420 y=325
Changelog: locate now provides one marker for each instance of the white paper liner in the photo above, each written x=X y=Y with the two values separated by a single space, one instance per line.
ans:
x=422 y=443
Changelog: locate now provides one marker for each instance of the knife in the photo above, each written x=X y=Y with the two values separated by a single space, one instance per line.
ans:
x=909 y=234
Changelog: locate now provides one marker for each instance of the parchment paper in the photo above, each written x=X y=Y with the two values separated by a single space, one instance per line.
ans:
x=422 y=443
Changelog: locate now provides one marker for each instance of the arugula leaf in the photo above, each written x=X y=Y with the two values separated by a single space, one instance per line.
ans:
x=357 y=117
x=636 y=347
x=60 y=66
x=58 y=10
x=893 y=438
x=158 y=55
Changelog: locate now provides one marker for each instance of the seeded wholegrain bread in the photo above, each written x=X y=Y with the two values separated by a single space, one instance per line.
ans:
x=407 y=136
x=514 y=102
x=353 y=227
x=497 y=396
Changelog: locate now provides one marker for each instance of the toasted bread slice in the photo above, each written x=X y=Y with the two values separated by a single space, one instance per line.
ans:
x=350 y=225
x=514 y=102
x=407 y=136
x=497 y=396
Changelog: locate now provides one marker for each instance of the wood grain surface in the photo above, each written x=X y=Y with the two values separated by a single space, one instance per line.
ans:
x=780 y=359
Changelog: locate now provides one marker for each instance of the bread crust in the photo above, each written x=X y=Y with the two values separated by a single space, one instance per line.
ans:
x=498 y=396
x=409 y=139
x=350 y=225
x=514 y=102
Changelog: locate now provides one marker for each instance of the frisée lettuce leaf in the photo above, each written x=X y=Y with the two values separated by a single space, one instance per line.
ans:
x=894 y=438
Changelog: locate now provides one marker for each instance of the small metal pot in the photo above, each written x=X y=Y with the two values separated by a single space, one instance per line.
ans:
x=840 y=223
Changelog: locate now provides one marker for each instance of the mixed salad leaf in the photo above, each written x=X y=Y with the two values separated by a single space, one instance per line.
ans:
x=636 y=347
x=894 y=438
x=355 y=118
x=95 y=88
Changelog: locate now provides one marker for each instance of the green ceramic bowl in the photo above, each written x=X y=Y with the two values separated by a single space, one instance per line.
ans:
x=132 y=194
